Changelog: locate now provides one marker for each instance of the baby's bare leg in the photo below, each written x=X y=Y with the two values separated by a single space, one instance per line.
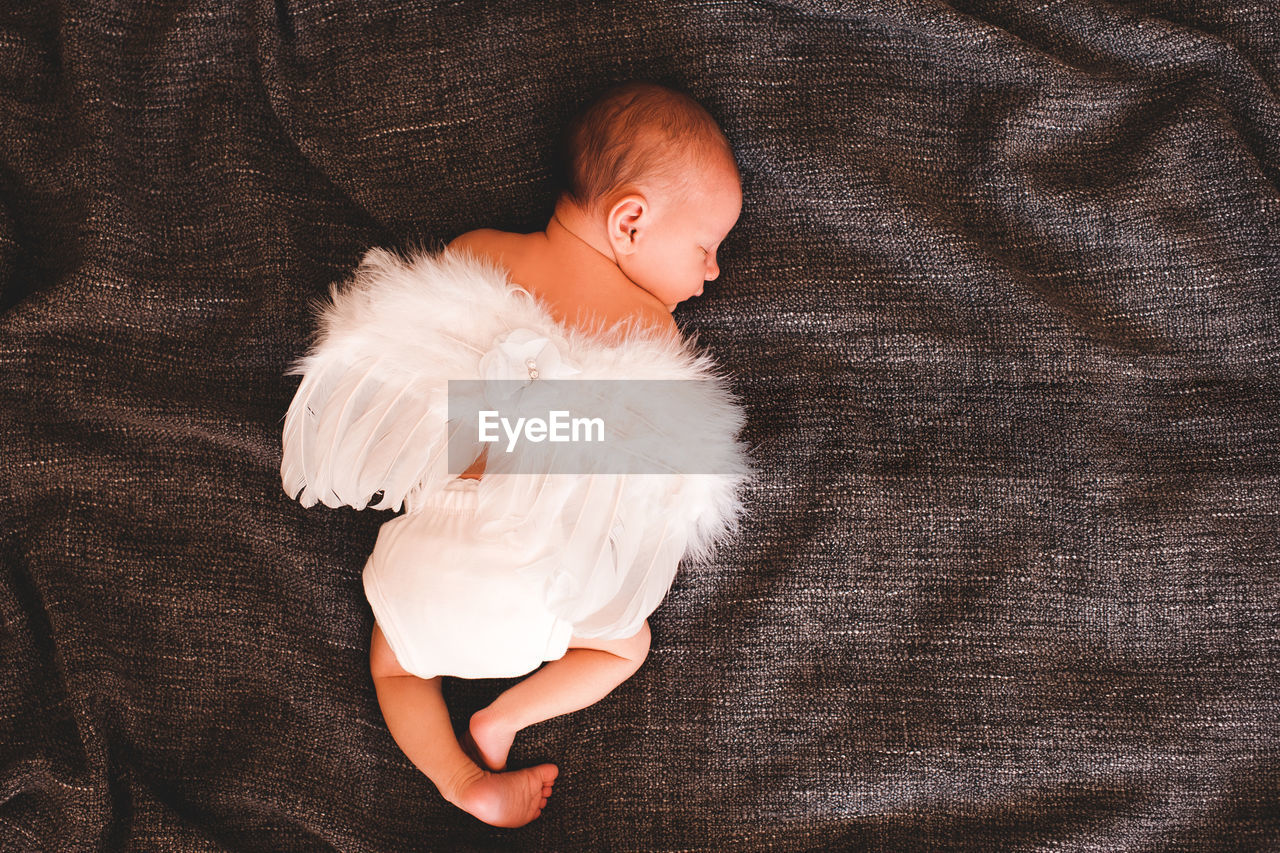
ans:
x=588 y=672
x=418 y=719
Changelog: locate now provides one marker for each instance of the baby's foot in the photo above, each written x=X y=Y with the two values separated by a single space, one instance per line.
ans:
x=507 y=799
x=490 y=738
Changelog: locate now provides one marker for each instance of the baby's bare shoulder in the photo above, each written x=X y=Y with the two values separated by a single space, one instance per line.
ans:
x=657 y=318
x=574 y=295
x=499 y=246
x=479 y=240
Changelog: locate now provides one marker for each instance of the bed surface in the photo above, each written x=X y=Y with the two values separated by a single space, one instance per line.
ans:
x=1002 y=307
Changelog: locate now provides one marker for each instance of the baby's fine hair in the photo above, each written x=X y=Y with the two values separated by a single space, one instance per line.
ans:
x=636 y=132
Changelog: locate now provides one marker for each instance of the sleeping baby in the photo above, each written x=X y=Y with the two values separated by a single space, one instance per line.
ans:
x=495 y=571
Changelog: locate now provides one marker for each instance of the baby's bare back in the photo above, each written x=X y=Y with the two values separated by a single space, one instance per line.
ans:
x=578 y=296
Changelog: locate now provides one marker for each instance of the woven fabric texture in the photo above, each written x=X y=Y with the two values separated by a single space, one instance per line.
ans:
x=1003 y=306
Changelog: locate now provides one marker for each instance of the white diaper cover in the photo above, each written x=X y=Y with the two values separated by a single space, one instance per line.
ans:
x=451 y=604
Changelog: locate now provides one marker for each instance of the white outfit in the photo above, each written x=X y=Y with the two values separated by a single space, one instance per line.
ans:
x=494 y=590
x=450 y=602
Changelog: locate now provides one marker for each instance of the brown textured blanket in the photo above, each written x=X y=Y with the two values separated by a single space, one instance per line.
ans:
x=1003 y=306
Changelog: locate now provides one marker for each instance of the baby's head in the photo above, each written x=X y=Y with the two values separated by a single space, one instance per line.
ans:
x=648 y=170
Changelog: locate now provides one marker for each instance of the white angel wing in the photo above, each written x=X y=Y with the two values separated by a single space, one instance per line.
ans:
x=371 y=415
x=644 y=545
x=612 y=542
x=609 y=545
x=355 y=429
